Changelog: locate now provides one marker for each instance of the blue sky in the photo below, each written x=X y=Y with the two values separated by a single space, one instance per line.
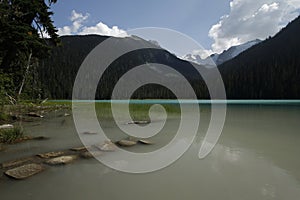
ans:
x=215 y=24
x=192 y=17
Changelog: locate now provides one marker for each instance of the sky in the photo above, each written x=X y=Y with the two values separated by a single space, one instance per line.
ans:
x=214 y=24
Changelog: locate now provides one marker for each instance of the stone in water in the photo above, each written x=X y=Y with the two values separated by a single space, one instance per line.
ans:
x=126 y=143
x=16 y=162
x=145 y=142
x=24 y=171
x=91 y=154
x=138 y=122
x=50 y=154
x=89 y=133
x=78 y=149
x=107 y=146
x=61 y=160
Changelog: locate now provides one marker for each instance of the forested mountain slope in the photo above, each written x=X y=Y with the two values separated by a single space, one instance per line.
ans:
x=269 y=70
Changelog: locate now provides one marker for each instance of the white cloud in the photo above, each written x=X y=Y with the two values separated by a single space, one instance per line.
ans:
x=66 y=30
x=250 y=19
x=78 y=27
x=103 y=29
x=78 y=16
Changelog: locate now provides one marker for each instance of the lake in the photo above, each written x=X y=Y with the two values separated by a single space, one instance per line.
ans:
x=256 y=157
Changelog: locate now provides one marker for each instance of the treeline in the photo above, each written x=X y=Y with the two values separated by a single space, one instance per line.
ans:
x=57 y=72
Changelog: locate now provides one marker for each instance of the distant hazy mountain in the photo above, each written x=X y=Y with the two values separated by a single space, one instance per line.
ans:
x=223 y=57
x=195 y=58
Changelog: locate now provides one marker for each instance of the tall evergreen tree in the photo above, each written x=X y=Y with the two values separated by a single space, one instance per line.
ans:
x=22 y=25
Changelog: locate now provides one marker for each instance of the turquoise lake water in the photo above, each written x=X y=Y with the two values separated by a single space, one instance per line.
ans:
x=256 y=157
x=186 y=101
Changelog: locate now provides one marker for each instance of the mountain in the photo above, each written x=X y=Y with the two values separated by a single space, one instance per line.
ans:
x=268 y=70
x=58 y=72
x=224 y=56
x=234 y=51
x=196 y=58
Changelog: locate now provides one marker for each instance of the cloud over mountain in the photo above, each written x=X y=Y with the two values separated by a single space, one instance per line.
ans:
x=78 y=27
x=249 y=20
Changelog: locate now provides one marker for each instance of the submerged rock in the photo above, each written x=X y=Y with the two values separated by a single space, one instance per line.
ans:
x=91 y=154
x=61 y=160
x=142 y=141
x=15 y=163
x=139 y=122
x=107 y=146
x=51 y=154
x=126 y=143
x=40 y=138
x=78 y=149
x=89 y=133
x=24 y=171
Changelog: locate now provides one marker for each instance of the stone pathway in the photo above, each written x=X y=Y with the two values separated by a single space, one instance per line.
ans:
x=26 y=167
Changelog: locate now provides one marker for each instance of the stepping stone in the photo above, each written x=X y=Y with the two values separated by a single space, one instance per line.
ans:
x=34 y=138
x=51 y=154
x=78 y=149
x=40 y=138
x=89 y=133
x=17 y=162
x=91 y=154
x=126 y=143
x=139 y=122
x=61 y=160
x=107 y=146
x=147 y=142
x=24 y=171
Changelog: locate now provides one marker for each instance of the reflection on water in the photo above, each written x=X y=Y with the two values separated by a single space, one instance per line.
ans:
x=255 y=158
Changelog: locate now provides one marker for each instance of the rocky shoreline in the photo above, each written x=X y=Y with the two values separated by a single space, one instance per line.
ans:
x=25 y=167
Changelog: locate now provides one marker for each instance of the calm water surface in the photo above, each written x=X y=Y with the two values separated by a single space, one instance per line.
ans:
x=257 y=157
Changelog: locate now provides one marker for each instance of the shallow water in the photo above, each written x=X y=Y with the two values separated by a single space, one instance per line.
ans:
x=257 y=157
